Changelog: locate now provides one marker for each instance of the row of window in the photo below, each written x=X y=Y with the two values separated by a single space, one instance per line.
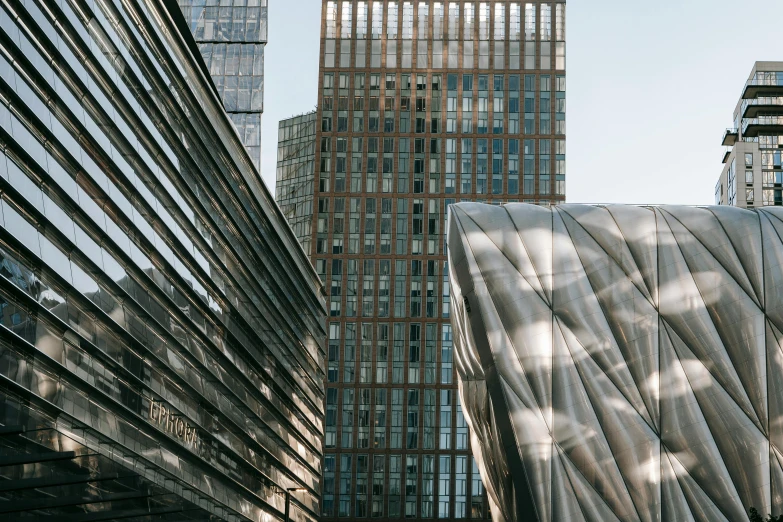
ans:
x=396 y=420
x=380 y=486
x=483 y=83
x=438 y=20
x=485 y=55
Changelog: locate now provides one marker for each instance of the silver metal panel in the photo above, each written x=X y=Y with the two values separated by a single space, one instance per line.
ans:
x=621 y=363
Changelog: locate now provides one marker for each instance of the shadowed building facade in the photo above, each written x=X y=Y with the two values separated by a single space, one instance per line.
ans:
x=420 y=104
x=161 y=331
x=621 y=363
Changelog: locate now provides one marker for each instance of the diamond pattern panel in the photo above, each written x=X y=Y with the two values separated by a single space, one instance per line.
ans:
x=621 y=363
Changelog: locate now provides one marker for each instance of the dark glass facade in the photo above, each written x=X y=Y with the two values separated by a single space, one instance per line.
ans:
x=231 y=36
x=421 y=104
x=161 y=330
x=295 y=170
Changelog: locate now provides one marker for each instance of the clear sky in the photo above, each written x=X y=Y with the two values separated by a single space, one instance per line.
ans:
x=651 y=88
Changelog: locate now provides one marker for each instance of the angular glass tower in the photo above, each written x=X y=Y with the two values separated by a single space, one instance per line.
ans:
x=622 y=363
x=421 y=104
x=295 y=168
x=161 y=330
x=231 y=36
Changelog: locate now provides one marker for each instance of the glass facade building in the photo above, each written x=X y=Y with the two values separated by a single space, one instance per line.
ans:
x=295 y=169
x=162 y=333
x=421 y=104
x=752 y=173
x=621 y=363
x=231 y=36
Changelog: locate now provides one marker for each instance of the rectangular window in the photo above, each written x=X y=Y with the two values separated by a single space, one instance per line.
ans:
x=484 y=18
x=424 y=20
x=407 y=20
x=530 y=21
x=377 y=22
x=515 y=22
x=331 y=19
x=560 y=26
x=391 y=20
x=469 y=20
x=500 y=21
x=546 y=22
x=361 y=20
x=453 y=20
x=346 y=19
x=437 y=21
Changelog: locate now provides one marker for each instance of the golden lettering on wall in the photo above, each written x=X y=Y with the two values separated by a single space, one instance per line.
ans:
x=172 y=423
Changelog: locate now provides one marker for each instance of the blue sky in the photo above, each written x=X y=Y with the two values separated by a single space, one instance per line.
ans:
x=651 y=88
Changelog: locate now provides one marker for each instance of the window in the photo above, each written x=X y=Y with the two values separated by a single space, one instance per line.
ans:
x=484 y=17
x=346 y=19
x=469 y=19
x=748 y=159
x=560 y=22
x=437 y=21
x=546 y=22
x=453 y=20
x=377 y=20
x=530 y=21
x=331 y=19
x=424 y=20
x=500 y=21
x=361 y=20
x=391 y=20
x=407 y=21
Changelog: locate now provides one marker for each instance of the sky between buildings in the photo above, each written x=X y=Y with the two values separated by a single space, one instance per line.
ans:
x=651 y=87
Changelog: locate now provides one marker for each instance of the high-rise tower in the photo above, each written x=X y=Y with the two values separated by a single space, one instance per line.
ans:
x=421 y=104
x=752 y=175
x=231 y=36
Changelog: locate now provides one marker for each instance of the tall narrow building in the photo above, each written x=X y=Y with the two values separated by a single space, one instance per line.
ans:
x=295 y=168
x=752 y=175
x=231 y=37
x=421 y=104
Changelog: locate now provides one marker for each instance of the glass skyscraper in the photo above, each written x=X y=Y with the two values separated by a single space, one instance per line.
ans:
x=231 y=36
x=421 y=104
x=295 y=168
x=162 y=334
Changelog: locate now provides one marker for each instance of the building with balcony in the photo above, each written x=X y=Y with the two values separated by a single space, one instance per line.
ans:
x=162 y=335
x=752 y=175
x=231 y=37
x=420 y=104
x=621 y=363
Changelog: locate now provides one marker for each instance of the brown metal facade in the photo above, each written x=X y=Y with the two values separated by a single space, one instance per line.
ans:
x=421 y=104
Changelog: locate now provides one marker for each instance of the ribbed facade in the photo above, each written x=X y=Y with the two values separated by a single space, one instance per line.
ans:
x=622 y=363
x=420 y=104
x=161 y=331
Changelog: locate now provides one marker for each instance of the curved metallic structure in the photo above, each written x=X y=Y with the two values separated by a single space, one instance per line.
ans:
x=619 y=362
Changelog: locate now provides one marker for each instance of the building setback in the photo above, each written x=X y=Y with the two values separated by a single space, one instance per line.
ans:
x=421 y=104
x=752 y=175
x=161 y=331
x=231 y=37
